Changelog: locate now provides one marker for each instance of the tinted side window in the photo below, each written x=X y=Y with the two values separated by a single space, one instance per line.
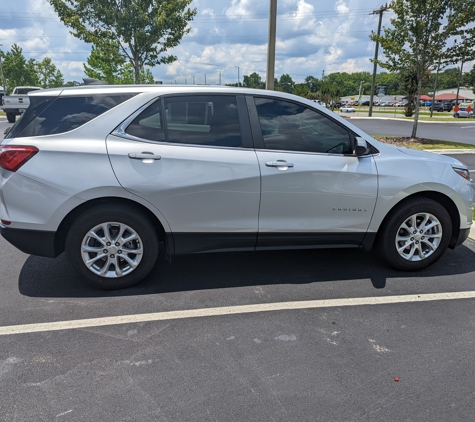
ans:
x=203 y=120
x=24 y=91
x=68 y=113
x=36 y=107
x=293 y=127
x=148 y=124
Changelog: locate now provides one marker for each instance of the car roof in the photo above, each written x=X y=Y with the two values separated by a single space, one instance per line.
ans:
x=160 y=89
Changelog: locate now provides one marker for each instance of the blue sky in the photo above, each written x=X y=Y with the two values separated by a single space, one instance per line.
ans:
x=312 y=36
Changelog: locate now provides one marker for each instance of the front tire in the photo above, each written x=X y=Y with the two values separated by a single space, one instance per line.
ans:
x=112 y=247
x=415 y=235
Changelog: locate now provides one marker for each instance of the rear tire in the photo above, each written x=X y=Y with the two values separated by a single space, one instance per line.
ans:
x=112 y=247
x=11 y=117
x=415 y=235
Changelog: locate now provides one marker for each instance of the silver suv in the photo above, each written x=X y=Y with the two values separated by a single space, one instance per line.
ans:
x=109 y=174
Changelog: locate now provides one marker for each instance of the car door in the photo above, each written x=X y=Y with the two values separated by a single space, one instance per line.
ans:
x=191 y=157
x=314 y=189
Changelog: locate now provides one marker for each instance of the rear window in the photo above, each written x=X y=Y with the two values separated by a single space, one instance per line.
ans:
x=52 y=115
x=24 y=91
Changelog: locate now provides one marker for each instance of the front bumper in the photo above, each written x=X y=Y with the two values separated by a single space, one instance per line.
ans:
x=32 y=242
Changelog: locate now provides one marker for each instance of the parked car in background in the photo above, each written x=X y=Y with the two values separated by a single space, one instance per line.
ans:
x=114 y=174
x=441 y=106
x=383 y=104
x=16 y=103
x=347 y=109
x=466 y=112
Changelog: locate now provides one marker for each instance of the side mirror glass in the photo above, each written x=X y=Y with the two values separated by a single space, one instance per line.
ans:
x=361 y=147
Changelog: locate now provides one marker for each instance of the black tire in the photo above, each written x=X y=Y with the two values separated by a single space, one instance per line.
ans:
x=11 y=117
x=456 y=115
x=394 y=226
x=132 y=267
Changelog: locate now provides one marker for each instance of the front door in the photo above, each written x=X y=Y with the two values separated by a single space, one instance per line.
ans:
x=314 y=191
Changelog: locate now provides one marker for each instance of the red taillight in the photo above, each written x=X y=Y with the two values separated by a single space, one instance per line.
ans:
x=12 y=157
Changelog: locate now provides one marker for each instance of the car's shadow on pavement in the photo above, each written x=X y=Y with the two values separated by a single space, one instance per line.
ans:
x=45 y=277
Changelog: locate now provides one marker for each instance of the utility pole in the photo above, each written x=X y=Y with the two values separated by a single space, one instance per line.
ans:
x=219 y=77
x=205 y=78
x=270 y=72
x=379 y=12
x=3 y=76
x=359 y=93
x=323 y=74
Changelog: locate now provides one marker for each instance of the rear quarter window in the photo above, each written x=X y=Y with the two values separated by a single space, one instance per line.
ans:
x=63 y=114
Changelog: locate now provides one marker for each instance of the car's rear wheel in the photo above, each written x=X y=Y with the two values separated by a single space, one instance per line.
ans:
x=415 y=235
x=112 y=247
x=456 y=115
x=11 y=117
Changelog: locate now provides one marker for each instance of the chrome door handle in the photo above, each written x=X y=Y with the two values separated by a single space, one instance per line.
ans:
x=278 y=163
x=144 y=156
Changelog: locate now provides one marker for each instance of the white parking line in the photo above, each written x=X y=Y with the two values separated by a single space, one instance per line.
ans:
x=231 y=310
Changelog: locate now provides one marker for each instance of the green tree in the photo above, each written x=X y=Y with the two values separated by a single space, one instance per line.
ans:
x=448 y=78
x=48 y=75
x=302 y=90
x=144 y=29
x=312 y=83
x=329 y=91
x=105 y=62
x=286 y=84
x=418 y=40
x=17 y=70
x=469 y=78
x=253 y=80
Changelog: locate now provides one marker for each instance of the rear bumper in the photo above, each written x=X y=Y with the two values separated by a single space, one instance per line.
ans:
x=32 y=242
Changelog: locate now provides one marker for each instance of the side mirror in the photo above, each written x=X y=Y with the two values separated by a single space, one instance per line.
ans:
x=361 y=146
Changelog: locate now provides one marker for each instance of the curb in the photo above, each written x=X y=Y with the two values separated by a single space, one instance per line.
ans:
x=407 y=120
x=451 y=151
x=471 y=236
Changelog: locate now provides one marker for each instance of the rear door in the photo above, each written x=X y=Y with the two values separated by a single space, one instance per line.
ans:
x=192 y=157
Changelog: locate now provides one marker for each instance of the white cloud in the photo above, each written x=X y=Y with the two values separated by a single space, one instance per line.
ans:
x=313 y=35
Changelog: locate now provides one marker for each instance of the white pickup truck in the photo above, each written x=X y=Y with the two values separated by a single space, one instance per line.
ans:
x=16 y=103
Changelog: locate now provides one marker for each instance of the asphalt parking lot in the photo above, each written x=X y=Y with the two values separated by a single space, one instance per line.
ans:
x=269 y=336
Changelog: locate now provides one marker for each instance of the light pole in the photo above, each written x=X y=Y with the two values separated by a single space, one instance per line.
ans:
x=239 y=78
x=1 y=69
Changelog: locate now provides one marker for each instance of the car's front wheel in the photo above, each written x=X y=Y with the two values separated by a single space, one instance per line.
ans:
x=415 y=235
x=112 y=247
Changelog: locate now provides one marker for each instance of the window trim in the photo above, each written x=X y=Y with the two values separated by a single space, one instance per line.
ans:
x=245 y=126
x=259 y=139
